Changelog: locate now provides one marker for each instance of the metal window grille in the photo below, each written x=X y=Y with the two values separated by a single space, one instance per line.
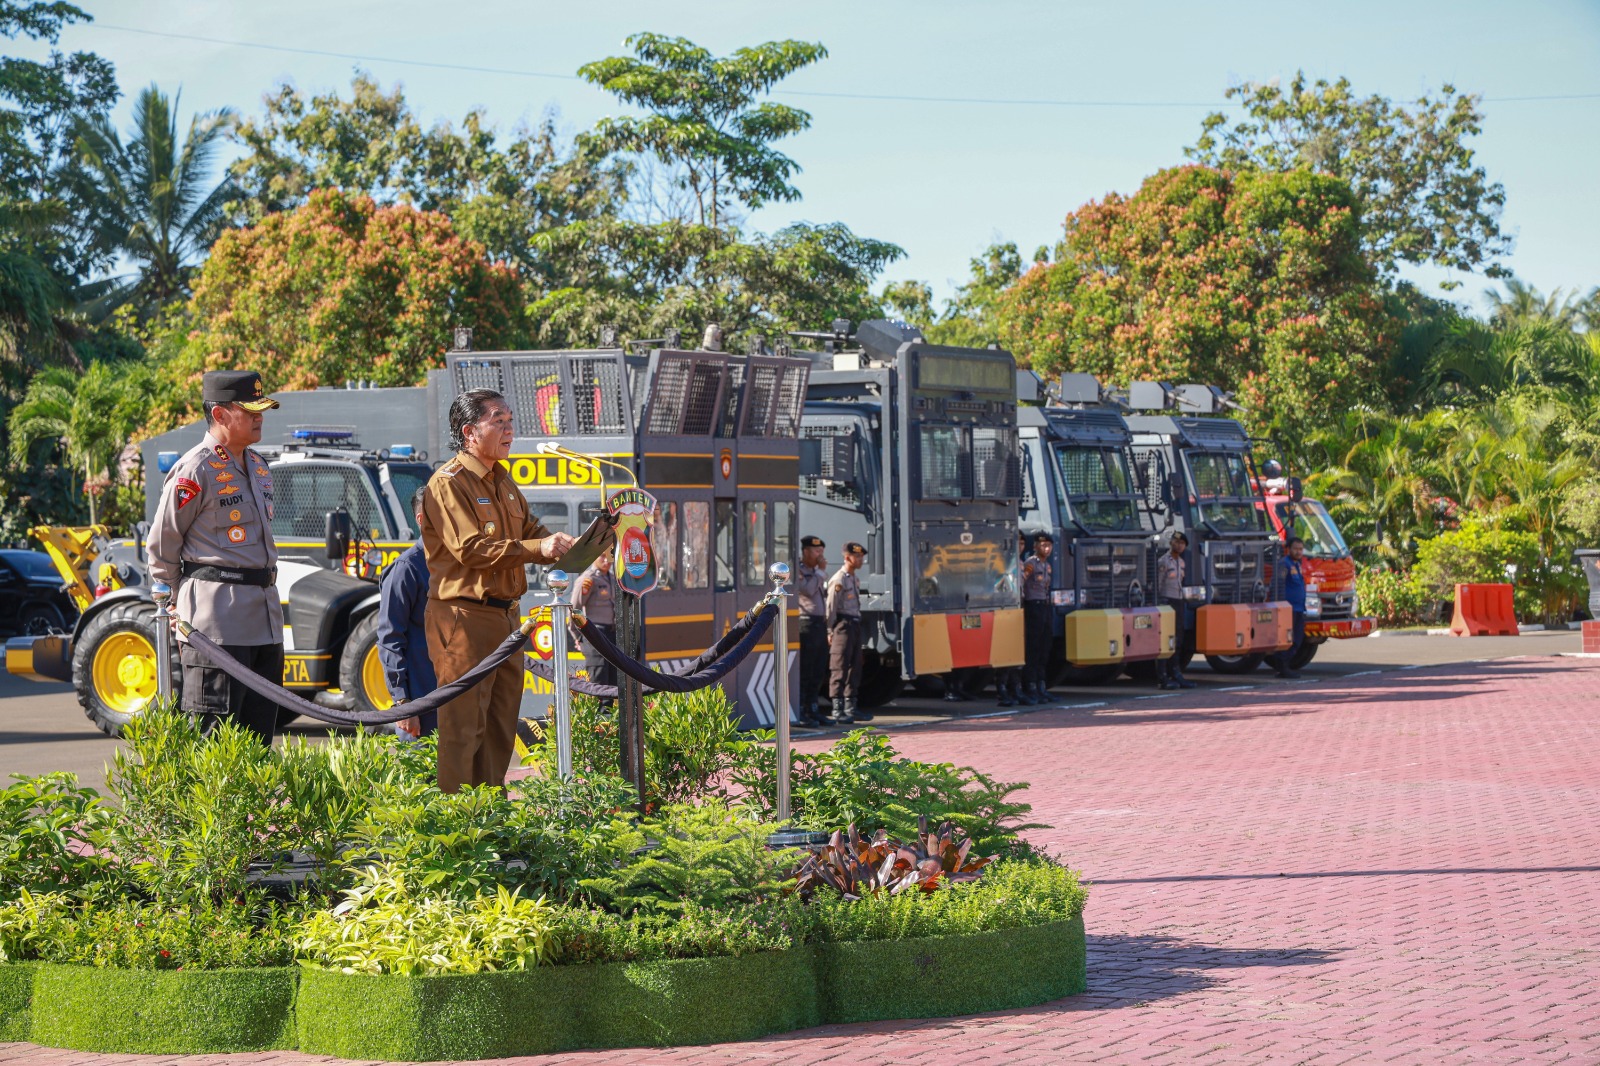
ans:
x=835 y=486
x=790 y=402
x=305 y=492
x=996 y=470
x=730 y=406
x=944 y=461
x=760 y=394
x=536 y=396
x=479 y=374
x=669 y=394
x=705 y=391
x=597 y=404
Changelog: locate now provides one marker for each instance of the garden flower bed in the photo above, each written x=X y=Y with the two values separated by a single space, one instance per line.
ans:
x=489 y=923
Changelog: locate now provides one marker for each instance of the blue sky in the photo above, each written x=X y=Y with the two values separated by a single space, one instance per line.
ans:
x=944 y=179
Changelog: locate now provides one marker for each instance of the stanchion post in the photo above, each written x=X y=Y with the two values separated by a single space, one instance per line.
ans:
x=561 y=706
x=162 y=594
x=779 y=573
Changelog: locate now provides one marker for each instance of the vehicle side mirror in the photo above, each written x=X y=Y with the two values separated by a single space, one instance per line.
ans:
x=337 y=533
x=811 y=458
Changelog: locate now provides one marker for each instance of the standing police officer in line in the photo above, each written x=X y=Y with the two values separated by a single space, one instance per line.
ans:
x=1038 y=620
x=846 y=655
x=478 y=535
x=211 y=541
x=1171 y=572
x=811 y=593
x=594 y=595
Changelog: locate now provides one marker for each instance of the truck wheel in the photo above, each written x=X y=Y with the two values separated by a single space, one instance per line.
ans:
x=881 y=680
x=360 y=670
x=114 y=665
x=1307 y=652
x=39 y=619
x=1235 y=664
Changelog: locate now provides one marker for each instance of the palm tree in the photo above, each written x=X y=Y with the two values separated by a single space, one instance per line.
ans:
x=150 y=201
x=31 y=294
x=1522 y=302
x=92 y=415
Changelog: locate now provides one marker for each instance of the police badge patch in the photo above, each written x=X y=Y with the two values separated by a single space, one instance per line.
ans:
x=634 y=510
x=185 y=490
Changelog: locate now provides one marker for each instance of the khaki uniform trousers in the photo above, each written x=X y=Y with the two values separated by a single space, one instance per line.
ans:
x=478 y=729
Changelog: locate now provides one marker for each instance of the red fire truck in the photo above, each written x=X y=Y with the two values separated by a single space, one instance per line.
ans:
x=1332 y=609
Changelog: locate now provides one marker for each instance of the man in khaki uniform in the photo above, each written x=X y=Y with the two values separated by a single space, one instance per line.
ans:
x=211 y=543
x=478 y=535
x=811 y=593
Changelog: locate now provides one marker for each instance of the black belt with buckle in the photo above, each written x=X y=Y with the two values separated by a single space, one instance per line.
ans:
x=231 y=575
x=489 y=601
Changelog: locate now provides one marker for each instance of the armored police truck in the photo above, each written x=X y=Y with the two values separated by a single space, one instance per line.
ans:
x=1198 y=470
x=1080 y=485
x=919 y=463
x=712 y=435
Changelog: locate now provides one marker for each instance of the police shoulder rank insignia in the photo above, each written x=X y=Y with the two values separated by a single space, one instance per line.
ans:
x=185 y=490
x=634 y=509
x=222 y=453
x=236 y=534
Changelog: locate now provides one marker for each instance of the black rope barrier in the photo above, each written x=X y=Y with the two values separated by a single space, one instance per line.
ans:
x=704 y=677
x=220 y=658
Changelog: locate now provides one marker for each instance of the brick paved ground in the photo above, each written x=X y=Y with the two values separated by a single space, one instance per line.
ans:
x=1399 y=868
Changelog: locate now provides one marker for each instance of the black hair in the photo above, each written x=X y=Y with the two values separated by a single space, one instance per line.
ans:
x=467 y=409
x=1291 y=542
x=210 y=407
x=417 y=498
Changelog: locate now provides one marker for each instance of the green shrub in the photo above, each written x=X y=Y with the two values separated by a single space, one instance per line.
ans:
x=704 y=856
x=692 y=931
x=46 y=824
x=1475 y=554
x=692 y=740
x=1392 y=598
x=861 y=780
x=546 y=838
x=148 y=936
x=385 y=927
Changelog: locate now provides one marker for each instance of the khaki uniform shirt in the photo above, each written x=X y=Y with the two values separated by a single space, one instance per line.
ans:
x=1037 y=575
x=216 y=510
x=599 y=603
x=477 y=533
x=811 y=590
x=844 y=596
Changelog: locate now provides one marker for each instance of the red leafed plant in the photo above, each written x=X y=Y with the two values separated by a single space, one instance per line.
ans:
x=855 y=866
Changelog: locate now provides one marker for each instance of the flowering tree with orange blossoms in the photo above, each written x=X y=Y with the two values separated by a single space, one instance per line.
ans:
x=1252 y=281
x=341 y=289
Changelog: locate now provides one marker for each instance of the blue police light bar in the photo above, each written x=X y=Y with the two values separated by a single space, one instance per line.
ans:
x=165 y=461
x=325 y=433
x=402 y=451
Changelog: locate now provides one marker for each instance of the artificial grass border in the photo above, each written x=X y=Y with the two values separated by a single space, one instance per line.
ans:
x=163 y=1012
x=549 y=1009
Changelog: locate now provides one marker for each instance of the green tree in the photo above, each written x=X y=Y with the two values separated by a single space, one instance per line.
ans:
x=152 y=201
x=647 y=278
x=1424 y=198
x=373 y=143
x=92 y=416
x=1522 y=303
x=1251 y=281
x=339 y=288
x=704 y=121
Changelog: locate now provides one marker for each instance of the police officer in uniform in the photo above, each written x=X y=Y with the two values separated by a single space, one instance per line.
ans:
x=211 y=541
x=811 y=592
x=594 y=594
x=1038 y=620
x=478 y=535
x=1171 y=571
x=844 y=637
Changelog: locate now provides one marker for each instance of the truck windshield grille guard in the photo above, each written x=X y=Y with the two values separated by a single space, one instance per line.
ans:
x=1241 y=571
x=1112 y=574
x=956 y=462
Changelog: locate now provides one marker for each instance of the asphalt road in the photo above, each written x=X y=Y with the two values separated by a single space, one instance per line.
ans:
x=42 y=728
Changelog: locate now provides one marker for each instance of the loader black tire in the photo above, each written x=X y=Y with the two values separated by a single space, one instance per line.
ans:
x=113 y=665
x=360 y=672
x=1236 y=664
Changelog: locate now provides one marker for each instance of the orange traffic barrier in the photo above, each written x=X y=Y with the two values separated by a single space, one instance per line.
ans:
x=1484 y=611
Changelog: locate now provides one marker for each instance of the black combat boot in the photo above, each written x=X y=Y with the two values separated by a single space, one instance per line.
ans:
x=1002 y=692
x=841 y=713
x=858 y=713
